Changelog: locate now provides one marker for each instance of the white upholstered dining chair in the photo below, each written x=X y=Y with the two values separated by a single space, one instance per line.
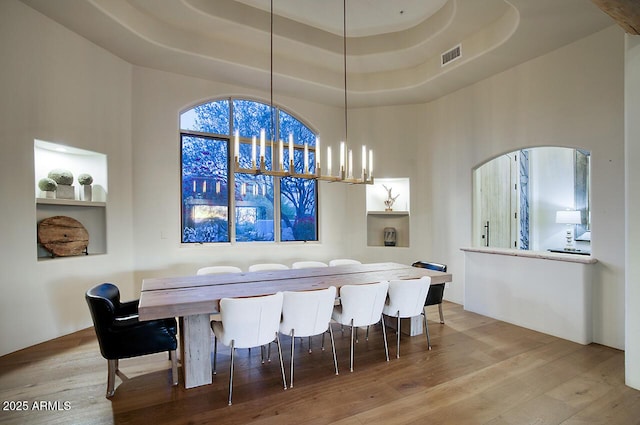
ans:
x=306 y=314
x=218 y=270
x=267 y=266
x=360 y=306
x=308 y=264
x=247 y=323
x=342 y=262
x=406 y=299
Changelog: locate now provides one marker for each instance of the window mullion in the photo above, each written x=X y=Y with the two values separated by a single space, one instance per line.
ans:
x=231 y=178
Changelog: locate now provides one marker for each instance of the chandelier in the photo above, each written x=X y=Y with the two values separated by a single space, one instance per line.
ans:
x=346 y=172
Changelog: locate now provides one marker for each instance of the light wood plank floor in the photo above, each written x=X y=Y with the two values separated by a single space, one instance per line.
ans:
x=480 y=371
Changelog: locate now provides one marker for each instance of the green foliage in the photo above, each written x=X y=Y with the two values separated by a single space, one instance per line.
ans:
x=85 y=179
x=47 y=185
x=61 y=176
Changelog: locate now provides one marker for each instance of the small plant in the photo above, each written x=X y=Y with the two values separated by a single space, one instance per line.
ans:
x=85 y=179
x=61 y=176
x=47 y=185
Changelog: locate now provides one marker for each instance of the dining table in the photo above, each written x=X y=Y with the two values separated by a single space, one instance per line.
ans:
x=193 y=299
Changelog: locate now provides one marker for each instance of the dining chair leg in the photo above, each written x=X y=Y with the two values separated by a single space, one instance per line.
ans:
x=284 y=378
x=351 y=352
x=293 y=339
x=174 y=366
x=426 y=329
x=333 y=348
x=112 y=366
x=215 y=353
x=309 y=345
x=441 y=315
x=384 y=334
x=398 y=338
x=233 y=351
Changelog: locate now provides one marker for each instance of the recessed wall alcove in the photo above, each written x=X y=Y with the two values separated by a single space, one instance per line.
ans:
x=512 y=271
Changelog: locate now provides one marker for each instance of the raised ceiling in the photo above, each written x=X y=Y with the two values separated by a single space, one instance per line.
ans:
x=393 y=47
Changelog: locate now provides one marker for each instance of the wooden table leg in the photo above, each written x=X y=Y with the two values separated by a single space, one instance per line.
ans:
x=195 y=343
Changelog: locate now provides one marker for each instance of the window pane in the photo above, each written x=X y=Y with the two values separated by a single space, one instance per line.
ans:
x=249 y=117
x=254 y=207
x=212 y=117
x=205 y=193
x=301 y=133
x=298 y=209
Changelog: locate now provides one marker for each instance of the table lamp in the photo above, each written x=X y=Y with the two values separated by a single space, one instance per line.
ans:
x=570 y=218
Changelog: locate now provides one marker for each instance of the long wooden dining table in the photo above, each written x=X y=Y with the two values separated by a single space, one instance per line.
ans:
x=194 y=298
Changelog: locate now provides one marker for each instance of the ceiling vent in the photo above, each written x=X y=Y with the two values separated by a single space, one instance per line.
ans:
x=451 y=55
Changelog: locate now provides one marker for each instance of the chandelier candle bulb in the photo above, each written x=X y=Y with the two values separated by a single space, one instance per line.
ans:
x=364 y=162
x=306 y=158
x=342 y=155
x=370 y=169
x=291 y=168
x=317 y=153
x=204 y=186
x=236 y=147
x=329 y=160
x=281 y=155
x=350 y=174
x=217 y=187
x=262 y=146
x=253 y=152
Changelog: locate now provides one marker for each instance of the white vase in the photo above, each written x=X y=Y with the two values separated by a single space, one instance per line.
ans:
x=65 y=191
x=50 y=194
x=86 y=193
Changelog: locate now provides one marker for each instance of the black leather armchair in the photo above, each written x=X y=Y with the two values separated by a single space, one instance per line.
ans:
x=122 y=335
x=436 y=292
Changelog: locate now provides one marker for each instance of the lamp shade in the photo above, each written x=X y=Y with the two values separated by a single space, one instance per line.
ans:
x=568 y=217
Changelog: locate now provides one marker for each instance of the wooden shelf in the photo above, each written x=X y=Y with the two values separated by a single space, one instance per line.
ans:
x=69 y=202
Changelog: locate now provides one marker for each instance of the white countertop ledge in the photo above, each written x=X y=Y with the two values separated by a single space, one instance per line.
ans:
x=543 y=255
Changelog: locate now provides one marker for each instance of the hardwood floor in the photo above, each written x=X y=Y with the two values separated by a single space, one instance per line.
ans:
x=480 y=371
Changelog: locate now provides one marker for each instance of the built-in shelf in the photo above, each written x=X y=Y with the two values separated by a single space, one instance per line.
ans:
x=70 y=202
x=91 y=214
x=378 y=218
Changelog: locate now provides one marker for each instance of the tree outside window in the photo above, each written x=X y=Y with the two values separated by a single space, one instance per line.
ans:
x=206 y=145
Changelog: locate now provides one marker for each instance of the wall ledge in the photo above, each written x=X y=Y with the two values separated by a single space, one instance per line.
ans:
x=543 y=255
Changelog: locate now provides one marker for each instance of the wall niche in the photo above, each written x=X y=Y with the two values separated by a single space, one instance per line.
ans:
x=87 y=205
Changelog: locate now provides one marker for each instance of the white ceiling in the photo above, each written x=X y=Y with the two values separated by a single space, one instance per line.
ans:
x=364 y=17
x=393 y=47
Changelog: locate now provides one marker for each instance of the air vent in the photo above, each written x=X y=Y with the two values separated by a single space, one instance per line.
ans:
x=451 y=55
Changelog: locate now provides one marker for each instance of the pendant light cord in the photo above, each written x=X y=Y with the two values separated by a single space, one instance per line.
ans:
x=273 y=120
x=344 y=58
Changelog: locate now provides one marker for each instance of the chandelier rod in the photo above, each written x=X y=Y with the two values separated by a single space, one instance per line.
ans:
x=344 y=59
x=273 y=120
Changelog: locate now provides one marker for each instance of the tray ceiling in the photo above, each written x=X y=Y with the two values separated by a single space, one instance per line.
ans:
x=393 y=48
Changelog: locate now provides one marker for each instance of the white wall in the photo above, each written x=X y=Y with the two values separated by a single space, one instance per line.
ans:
x=57 y=87
x=158 y=98
x=632 y=158
x=570 y=97
x=61 y=88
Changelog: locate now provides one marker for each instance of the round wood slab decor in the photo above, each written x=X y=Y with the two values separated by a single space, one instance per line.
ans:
x=63 y=236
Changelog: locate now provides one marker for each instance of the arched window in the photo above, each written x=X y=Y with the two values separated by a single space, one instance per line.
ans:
x=221 y=206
